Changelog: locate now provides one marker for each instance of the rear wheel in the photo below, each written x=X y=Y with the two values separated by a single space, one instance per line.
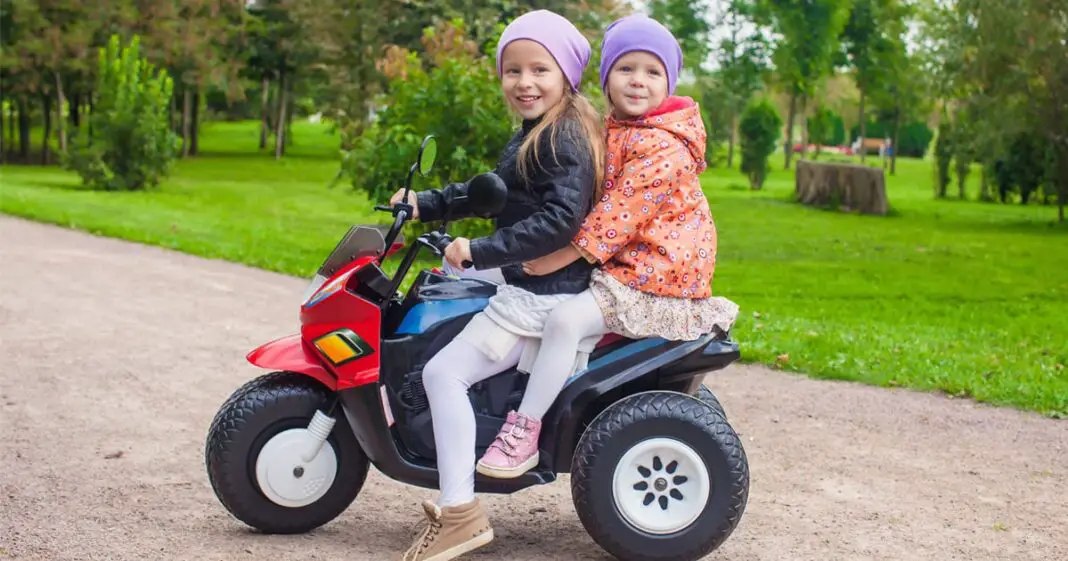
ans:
x=253 y=456
x=660 y=476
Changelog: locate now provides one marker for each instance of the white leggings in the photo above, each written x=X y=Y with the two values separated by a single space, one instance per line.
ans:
x=453 y=370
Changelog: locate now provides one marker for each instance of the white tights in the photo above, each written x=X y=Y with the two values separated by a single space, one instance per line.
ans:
x=453 y=370
x=570 y=322
x=446 y=378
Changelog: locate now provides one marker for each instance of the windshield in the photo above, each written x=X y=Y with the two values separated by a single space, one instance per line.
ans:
x=359 y=241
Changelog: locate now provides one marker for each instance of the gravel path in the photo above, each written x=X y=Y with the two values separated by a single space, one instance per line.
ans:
x=116 y=356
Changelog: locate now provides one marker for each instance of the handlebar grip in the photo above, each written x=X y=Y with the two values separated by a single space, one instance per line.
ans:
x=384 y=208
x=442 y=242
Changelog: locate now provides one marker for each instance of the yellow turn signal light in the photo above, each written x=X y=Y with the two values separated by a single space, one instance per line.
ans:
x=341 y=346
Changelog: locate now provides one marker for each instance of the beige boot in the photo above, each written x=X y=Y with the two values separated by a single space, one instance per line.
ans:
x=450 y=532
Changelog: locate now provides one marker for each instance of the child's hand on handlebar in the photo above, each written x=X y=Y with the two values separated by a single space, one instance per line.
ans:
x=457 y=252
x=396 y=198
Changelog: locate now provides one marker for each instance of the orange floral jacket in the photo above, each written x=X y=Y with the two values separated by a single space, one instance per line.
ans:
x=652 y=229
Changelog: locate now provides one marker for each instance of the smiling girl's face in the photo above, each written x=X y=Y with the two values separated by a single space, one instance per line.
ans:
x=531 y=80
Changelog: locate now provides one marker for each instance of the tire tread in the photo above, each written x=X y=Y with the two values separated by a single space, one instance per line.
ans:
x=223 y=454
x=647 y=406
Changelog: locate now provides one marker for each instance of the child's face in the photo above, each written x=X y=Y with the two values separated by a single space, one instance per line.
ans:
x=637 y=84
x=531 y=80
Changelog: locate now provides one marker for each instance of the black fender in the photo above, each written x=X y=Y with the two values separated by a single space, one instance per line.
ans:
x=635 y=368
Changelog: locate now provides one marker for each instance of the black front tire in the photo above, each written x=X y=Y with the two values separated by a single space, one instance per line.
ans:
x=254 y=413
x=638 y=418
x=706 y=395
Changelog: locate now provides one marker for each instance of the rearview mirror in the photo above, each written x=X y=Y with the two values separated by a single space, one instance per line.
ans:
x=486 y=194
x=428 y=152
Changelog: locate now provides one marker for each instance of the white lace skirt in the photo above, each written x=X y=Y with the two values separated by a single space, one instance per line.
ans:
x=638 y=315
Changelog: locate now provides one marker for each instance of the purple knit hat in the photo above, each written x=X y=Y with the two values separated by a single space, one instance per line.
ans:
x=554 y=32
x=639 y=32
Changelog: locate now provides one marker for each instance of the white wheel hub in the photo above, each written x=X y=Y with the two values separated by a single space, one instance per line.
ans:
x=660 y=485
x=285 y=478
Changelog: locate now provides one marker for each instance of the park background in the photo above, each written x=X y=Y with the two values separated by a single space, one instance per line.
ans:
x=259 y=131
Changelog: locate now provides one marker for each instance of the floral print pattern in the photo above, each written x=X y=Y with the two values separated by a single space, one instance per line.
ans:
x=652 y=229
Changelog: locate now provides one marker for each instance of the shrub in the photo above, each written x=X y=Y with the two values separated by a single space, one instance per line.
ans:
x=1027 y=162
x=132 y=145
x=838 y=135
x=759 y=134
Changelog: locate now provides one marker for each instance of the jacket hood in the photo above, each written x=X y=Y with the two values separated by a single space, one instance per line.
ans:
x=678 y=116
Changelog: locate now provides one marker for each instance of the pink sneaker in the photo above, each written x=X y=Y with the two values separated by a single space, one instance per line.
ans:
x=515 y=451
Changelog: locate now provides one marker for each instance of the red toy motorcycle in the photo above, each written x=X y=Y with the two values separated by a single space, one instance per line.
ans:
x=657 y=472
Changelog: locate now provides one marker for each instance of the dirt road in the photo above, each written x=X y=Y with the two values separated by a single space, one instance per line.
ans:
x=116 y=356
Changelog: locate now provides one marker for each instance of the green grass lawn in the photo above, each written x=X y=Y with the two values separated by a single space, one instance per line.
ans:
x=961 y=297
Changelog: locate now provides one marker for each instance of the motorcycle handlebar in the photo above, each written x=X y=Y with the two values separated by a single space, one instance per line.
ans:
x=439 y=241
x=394 y=231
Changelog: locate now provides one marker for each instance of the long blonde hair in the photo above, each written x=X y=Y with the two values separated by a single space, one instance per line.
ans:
x=577 y=107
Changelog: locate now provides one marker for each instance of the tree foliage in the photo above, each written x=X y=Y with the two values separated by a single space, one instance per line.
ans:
x=809 y=32
x=742 y=58
x=686 y=20
x=455 y=96
x=132 y=146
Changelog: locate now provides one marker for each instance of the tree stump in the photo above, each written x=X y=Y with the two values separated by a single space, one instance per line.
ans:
x=847 y=187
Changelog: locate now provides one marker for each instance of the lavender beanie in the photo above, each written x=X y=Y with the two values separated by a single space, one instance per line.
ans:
x=554 y=32
x=639 y=32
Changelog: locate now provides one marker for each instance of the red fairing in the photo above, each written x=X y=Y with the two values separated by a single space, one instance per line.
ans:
x=344 y=310
x=291 y=355
x=348 y=354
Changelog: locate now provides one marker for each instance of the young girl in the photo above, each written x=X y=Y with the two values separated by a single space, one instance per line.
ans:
x=553 y=167
x=651 y=230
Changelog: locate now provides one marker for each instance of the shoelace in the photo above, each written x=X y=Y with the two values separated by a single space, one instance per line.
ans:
x=511 y=439
x=429 y=533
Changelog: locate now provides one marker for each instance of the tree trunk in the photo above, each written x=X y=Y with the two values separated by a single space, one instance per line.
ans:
x=984 y=181
x=804 y=127
x=4 y=144
x=75 y=110
x=187 y=118
x=893 y=141
x=847 y=187
x=1062 y=199
x=264 y=111
x=862 y=122
x=46 y=150
x=962 y=177
x=280 y=124
x=172 y=114
x=1061 y=155
x=24 y=130
x=61 y=100
x=12 y=123
x=194 y=144
x=790 y=129
x=89 y=104
x=730 y=139
x=289 y=121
